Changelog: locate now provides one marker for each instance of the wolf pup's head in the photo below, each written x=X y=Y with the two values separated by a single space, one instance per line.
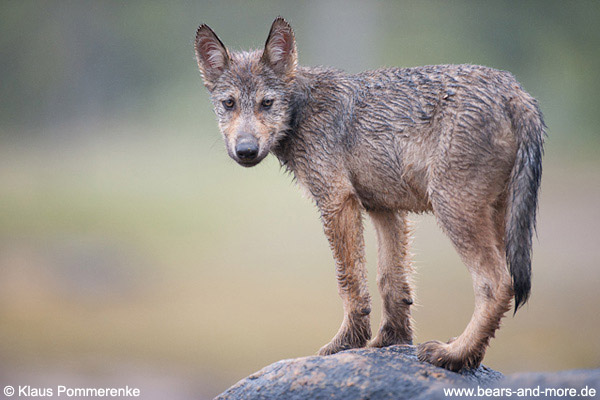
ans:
x=249 y=90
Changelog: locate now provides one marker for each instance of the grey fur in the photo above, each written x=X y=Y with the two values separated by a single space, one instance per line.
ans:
x=461 y=141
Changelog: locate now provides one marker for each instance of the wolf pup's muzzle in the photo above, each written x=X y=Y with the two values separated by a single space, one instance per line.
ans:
x=247 y=150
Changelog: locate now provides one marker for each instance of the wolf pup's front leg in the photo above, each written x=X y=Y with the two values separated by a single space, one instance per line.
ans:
x=393 y=277
x=342 y=221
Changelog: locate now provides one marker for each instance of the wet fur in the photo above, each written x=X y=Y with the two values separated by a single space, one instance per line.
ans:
x=461 y=141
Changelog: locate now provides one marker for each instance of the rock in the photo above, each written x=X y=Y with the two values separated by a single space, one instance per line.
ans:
x=579 y=380
x=395 y=373
x=390 y=373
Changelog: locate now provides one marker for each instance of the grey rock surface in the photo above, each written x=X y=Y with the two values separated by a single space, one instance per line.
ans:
x=543 y=383
x=390 y=373
x=395 y=373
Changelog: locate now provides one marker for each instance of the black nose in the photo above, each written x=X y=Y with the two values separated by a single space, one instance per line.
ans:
x=247 y=149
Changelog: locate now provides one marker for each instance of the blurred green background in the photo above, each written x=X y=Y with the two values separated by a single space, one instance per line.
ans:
x=134 y=251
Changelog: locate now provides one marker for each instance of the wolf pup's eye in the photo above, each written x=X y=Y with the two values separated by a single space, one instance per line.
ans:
x=266 y=103
x=228 y=104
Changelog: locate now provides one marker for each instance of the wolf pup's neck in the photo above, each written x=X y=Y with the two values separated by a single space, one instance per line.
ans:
x=306 y=83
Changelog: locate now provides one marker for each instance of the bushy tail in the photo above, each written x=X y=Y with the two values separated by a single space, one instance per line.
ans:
x=528 y=124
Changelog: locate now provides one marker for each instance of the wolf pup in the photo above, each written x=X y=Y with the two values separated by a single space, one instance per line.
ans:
x=461 y=141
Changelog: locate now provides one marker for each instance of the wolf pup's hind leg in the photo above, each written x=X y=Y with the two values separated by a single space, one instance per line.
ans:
x=470 y=218
x=492 y=285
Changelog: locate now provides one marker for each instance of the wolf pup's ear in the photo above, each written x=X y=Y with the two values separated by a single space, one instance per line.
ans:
x=280 y=49
x=211 y=54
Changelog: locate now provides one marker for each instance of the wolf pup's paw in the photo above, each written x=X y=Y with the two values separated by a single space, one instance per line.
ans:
x=389 y=335
x=332 y=348
x=442 y=355
x=382 y=341
x=347 y=339
x=336 y=345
